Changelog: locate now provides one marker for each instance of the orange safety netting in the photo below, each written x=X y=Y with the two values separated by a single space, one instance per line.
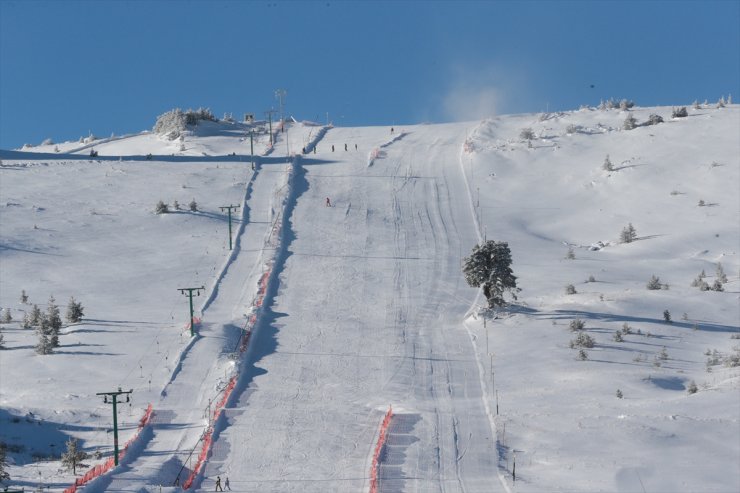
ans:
x=100 y=469
x=378 y=449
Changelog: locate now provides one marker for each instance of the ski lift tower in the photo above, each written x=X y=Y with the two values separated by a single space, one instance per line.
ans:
x=280 y=94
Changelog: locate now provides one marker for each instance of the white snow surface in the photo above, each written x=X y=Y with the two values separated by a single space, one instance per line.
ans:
x=367 y=307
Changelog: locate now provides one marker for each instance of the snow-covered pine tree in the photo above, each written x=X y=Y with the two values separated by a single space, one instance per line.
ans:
x=161 y=208
x=55 y=321
x=526 y=134
x=35 y=317
x=489 y=266
x=654 y=283
x=607 y=166
x=628 y=234
x=720 y=274
x=44 y=345
x=193 y=206
x=74 y=311
x=629 y=123
x=26 y=322
x=2 y=340
x=3 y=463
x=73 y=457
x=7 y=316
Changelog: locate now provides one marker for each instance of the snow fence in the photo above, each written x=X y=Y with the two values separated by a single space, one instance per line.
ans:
x=382 y=435
x=97 y=471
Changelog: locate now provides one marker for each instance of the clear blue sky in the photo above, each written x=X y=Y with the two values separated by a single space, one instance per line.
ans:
x=69 y=67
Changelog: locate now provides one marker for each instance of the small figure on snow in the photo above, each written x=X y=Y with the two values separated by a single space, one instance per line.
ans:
x=391 y=129
x=332 y=148
x=314 y=149
x=218 y=484
x=328 y=202
x=303 y=151
x=345 y=147
x=355 y=146
x=226 y=484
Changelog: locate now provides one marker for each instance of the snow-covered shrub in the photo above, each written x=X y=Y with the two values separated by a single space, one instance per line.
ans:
x=161 y=208
x=526 y=134
x=577 y=324
x=193 y=116
x=628 y=234
x=701 y=203
x=607 y=166
x=667 y=316
x=721 y=102
x=679 y=112
x=582 y=355
x=618 y=336
x=717 y=285
x=654 y=119
x=582 y=340
x=692 y=388
x=176 y=205
x=8 y=317
x=654 y=283
x=47 y=142
x=626 y=329
x=591 y=278
x=720 y=274
x=571 y=255
x=570 y=289
x=619 y=394
x=193 y=205
x=572 y=129
x=696 y=105
x=35 y=317
x=629 y=123
x=626 y=104
x=170 y=124
x=73 y=456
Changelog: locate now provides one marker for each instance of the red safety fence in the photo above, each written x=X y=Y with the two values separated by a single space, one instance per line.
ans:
x=100 y=469
x=378 y=449
x=208 y=435
x=196 y=320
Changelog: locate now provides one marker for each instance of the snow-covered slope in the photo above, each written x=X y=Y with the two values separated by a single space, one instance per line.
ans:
x=367 y=308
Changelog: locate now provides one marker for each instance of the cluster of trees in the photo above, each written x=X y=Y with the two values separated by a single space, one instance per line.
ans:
x=173 y=123
x=162 y=208
x=47 y=324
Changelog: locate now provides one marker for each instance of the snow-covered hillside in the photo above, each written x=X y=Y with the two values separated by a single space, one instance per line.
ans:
x=356 y=307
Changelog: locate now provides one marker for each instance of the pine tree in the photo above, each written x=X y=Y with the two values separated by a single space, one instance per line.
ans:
x=7 y=316
x=630 y=123
x=161 y=208
x=489 y=266
x=721 y=276
x=24 y=297
x=3 y=463
x=35 y=317
x=654 y=283
x=193 y=206
x=607 y=166
x=629 y=234
x=2 y=341
x=176 y=205
x=74 y=311
x=44 y=345
x=73 y=457
x=55 y=321
x=26 y=323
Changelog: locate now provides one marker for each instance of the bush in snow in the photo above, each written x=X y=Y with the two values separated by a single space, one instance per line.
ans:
x=654 y=283
x=701 y=203
x=626 y=329
x=54 y=319
x=161 y=208
x=572 y=129
x=193 y=206
x=717 y=285
x=577 y=324
x=571 y=255
x=35 y=317
x=570 y=289
x=171 y=124
x=720 y=273
x=667 y=316
x=680 y=112
x=489 y=266
x=176 y=205
x=692 y=388
x=625 y=104
x=74 y=311
x=8 y=317
x=654 y=119
x=591 y=278
x=696 y=105
x=618 y=336
x=619 y=394
x=526 y=134
x=629 y=123
x=607 y=166
x=582 y=355
x=44 y=345
x=628 y=234
x=582 y=340
x=721 y=102
x=193 y=116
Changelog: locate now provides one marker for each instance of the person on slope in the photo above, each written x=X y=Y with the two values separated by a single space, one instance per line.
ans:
x=218 y=484
x=226 y=484
x=328 y=202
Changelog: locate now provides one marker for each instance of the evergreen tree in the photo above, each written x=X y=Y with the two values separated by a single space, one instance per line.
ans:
x=489 y=266
x=26 y=323
x=193 y=206
x=55 y=321
x=630 y=122
x=721 y=276
x=7 y=316
x=35 y=317
x=607 y=166
x=74 y=311
x=654 y=283
x=2 y=341
x=3 y=463
x=44 y=345
x=161 y=208
x=629 y=234
x=73 y=457
x=680 y=112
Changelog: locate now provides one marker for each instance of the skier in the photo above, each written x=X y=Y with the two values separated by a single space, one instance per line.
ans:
x=314 y=149
x=332 y=148
x=355 y=146
x=345 y=147
x=391 y=129
x=226 y=484
x=218 y=484
x=328 y=202
x=303 y=151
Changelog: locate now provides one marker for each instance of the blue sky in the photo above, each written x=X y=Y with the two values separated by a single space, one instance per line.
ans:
x=70 y=67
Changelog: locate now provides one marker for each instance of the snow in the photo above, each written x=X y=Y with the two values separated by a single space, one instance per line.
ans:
x=367 y=308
